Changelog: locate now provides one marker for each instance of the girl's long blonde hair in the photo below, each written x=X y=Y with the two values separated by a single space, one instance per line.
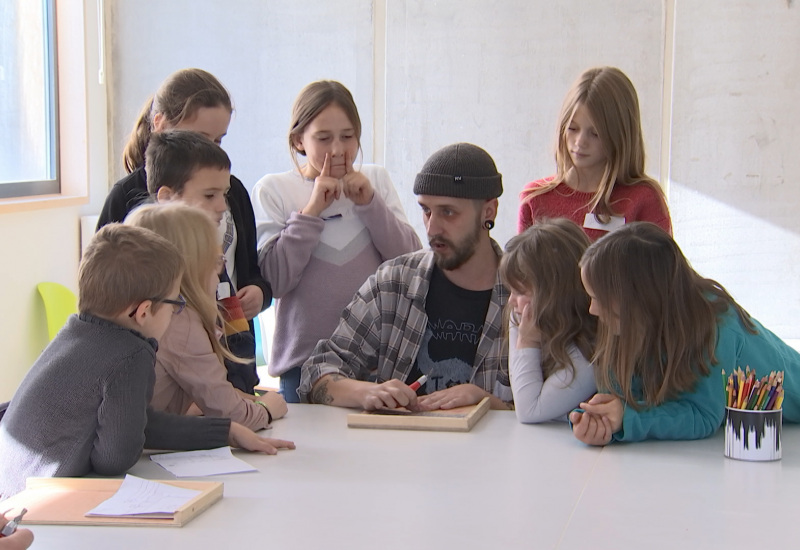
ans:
x=544 y=259
x=611 y=101
x=195 y=236
x=667 y=314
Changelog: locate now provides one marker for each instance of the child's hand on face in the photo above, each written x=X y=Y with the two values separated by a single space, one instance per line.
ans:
x=356 y=186
x=528 y=335
x=326 y=190
x=251 y=298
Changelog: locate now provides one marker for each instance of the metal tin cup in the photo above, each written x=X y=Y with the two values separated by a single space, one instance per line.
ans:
x=753 y=435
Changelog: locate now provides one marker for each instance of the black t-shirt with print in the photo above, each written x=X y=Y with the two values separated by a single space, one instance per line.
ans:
x=455 y=322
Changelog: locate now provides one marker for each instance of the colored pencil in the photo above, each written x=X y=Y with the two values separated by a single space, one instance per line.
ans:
x=743 y=390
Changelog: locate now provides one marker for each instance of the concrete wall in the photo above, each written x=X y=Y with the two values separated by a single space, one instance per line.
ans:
x=717 y=83
x=423 y=74
x=734 y=163
x=264 y=52
x=496 y=77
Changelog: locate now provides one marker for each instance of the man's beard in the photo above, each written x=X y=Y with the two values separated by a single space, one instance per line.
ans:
x=461 y=252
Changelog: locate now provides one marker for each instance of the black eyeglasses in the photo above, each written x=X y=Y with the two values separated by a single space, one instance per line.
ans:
x=177 y=305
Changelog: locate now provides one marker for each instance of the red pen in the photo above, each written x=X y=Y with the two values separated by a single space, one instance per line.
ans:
x=418 y=384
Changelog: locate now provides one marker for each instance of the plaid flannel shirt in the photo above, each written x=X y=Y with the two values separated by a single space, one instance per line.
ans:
x=381 y=330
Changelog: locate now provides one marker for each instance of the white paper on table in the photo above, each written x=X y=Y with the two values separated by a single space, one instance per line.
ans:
x=140 y=497
x=210 y=462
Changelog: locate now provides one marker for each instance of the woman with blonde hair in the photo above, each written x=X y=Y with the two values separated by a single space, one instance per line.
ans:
x=600 y=182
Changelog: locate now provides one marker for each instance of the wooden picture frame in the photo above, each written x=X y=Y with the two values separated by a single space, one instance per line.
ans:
x=461 y=419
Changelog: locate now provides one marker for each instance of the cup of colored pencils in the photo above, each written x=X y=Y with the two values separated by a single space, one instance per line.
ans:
x=753 y=415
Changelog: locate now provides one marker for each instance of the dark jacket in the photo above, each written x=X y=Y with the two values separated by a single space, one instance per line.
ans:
x=131 y=191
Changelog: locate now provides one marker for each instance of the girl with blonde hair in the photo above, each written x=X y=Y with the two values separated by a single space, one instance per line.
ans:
x=551 y=334
x=190 y=360
x=600 y=182
x=665 y=336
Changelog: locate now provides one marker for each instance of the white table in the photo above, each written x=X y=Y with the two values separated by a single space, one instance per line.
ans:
x=503 y=485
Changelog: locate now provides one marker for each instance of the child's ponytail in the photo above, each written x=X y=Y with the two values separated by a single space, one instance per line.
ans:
x=178 y=99
x=133 y=155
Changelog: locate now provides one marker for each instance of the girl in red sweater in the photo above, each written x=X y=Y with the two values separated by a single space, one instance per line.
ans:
x=600 y=182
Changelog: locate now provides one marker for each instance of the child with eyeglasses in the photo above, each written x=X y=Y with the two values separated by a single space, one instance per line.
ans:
x=190 y=361
x=83 y=406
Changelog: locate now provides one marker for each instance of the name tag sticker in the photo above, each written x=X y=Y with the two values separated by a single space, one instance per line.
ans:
x=223 y=290
x=590 y=222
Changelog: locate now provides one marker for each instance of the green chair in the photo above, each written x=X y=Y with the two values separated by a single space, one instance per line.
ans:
x=59 y=303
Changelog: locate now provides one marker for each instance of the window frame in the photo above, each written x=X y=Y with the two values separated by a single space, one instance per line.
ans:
x=26 y=188
x=73 y=122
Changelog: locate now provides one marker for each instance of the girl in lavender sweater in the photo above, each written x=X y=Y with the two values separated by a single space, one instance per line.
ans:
x=323 y=227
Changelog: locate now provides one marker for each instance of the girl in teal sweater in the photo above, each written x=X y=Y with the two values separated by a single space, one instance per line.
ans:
x=665 y=334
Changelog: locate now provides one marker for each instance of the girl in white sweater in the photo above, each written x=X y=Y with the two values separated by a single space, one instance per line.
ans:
x=324 y=227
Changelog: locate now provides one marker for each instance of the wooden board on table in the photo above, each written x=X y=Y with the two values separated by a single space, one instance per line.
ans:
x=461 y=419
x=65 y=501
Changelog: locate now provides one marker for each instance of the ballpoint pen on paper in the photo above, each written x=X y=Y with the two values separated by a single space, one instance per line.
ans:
x=418 y=384
x=11 y=526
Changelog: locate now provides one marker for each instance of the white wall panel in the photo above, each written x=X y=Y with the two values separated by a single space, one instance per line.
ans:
x=734 y=164
x=495 y=74
x=263 y=51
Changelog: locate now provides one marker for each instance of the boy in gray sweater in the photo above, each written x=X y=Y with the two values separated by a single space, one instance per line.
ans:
x=83 y=406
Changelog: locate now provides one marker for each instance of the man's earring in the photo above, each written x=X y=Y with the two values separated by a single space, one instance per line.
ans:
x=488 y=224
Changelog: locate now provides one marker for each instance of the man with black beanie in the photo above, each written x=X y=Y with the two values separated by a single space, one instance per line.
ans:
x=436 y=312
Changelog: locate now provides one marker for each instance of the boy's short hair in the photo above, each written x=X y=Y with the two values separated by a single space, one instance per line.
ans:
x=123 y=266
x=173 y=156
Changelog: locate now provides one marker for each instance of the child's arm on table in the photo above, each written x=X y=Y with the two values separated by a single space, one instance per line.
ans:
x=121 y=418
x=245 y=438
x=273 y=400
x=590 y=428
x=692 y=415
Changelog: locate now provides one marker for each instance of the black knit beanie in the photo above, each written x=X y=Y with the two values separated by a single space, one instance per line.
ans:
x=461 y=170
